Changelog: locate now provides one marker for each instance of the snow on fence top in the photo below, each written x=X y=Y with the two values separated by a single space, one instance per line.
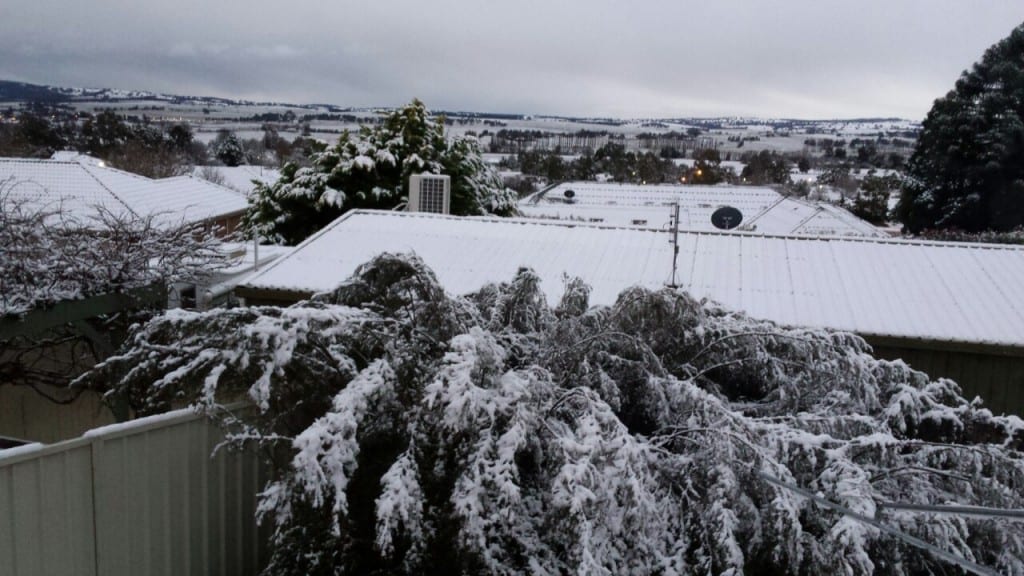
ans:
x=955 y=292
x=78 y=185
x=764 y=210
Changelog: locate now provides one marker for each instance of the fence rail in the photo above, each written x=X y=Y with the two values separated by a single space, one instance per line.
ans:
x=140 y=498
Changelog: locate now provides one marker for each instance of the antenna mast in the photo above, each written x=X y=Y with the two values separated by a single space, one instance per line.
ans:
x=675 y=242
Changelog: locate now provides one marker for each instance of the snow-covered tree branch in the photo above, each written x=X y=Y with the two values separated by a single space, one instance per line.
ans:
x=50 y=255
x=422 y=433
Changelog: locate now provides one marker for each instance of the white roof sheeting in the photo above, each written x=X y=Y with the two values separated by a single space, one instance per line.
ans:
x=907 y=289
x=240 y=178
x=795 y=216
x=763 y=209
x=80 y=184
x=620 y=204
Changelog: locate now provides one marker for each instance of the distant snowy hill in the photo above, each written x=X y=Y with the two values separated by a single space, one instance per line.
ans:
x=23 y=92
x=11 y=92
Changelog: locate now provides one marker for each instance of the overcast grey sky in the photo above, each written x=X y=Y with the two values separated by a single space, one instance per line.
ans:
x=792 y=58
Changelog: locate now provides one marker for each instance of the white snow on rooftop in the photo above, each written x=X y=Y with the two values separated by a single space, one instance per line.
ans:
x=796 y=216
x=911 y=289
x=80 y=184
x=621 y=204
x=240 y=178
x=763 y=209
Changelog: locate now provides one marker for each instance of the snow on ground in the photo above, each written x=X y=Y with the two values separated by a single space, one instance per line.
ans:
x=239 y=178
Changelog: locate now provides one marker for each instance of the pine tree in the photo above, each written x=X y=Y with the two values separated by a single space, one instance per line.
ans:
x=370 y=169
x=967 y=171
x=871 y=202
x=766 y=167
x=228 y=149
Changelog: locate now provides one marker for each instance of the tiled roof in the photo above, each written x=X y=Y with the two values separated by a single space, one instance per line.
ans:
x=905 y=289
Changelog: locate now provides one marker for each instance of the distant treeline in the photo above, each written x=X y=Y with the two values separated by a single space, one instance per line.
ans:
x=136 y=144
x=668 y=144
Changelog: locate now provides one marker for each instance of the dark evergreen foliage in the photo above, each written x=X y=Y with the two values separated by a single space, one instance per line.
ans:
x=371 y=169
x=967 y=171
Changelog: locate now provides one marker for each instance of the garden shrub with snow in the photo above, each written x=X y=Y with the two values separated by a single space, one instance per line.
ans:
x=49 y=254
x=370 y=168
x=419 y=433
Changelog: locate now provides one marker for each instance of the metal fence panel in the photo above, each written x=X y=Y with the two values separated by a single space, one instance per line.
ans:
x=46 y=512
x=143 y=498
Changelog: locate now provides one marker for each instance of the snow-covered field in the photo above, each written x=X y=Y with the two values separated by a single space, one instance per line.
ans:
x=206 y=117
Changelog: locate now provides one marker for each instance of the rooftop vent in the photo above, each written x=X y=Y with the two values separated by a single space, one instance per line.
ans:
x=430 y=193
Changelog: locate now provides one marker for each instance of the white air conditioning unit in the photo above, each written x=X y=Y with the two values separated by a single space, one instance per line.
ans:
x=430 y=193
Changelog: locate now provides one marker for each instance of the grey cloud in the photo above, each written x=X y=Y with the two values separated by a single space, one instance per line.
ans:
x=800 y=58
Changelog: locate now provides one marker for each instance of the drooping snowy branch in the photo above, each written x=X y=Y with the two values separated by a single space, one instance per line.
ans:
x=425 y=433
x=49 y=254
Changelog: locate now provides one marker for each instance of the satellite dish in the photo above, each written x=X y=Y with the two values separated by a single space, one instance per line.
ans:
x=570 y=194
x=726 y=218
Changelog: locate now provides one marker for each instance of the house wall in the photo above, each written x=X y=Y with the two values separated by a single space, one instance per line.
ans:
x=138 y=499
x=997 y=378
x=228 y=225
x=26 y=415
x=263 y=297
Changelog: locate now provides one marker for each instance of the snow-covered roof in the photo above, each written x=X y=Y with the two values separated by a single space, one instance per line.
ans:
x=651 y=205
x=878 y=287
x=796 y=216
x=621 y=204
x=240 y=178
x=80 y=184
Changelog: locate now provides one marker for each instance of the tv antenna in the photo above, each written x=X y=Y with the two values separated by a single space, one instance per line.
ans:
x=675 y=242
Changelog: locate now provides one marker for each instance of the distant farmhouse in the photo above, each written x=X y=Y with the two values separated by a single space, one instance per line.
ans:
x=761 y=209
x=948 y=309
x=79 y=185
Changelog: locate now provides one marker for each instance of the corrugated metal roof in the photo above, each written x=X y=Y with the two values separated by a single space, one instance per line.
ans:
x=909 y=289
x=57 y=185
x=80 y=184
x=796 y=216
x=763 y=209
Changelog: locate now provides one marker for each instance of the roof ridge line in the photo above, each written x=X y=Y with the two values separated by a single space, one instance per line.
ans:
x=107 y=188
x=295 y=248
x=742 y=233
x=817 y=210
x=36 y=160
x=768 y=208
x=106 y=166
